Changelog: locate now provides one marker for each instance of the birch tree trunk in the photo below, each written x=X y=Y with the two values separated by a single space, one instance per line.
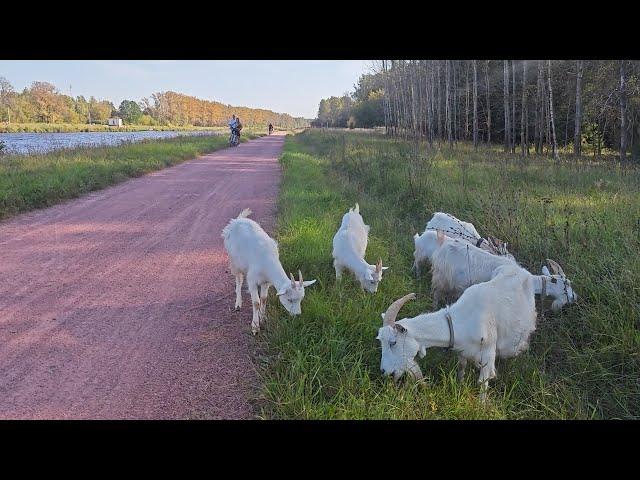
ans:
x=475 y=105
x=577 y=136
x=623 y=114
x=513 y=107
x=507 y=127
x=466 y=109
x=553 y=125
x=486 y=76
x=523 y=113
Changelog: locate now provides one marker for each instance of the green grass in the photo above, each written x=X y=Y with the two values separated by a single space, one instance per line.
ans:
x=83 y=127
x=41 y=180
x=584 y=362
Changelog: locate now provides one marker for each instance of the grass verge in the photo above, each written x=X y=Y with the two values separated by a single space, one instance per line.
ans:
x=583 y=362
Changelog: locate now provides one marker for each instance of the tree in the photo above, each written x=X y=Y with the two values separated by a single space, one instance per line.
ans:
x=577 y=138
x=6 y=98
x=130 y=112
x=43 y=95
x=623 y=114
x=507 y=126
x=523 y=114
x=475 y=105
x=553 y=124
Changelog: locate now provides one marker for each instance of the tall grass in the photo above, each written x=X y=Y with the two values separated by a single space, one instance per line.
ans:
x=584 y=362
x=40 y=180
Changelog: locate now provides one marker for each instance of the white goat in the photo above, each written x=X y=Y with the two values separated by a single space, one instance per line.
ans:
x=456 y=265
x=425 y=246
x=349 y=246
x=455 y=228
x=254 y=255
x=491 y=319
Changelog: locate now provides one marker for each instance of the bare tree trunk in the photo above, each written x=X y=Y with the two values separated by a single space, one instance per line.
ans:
x=466 y=109
x=448 y=99
x=507 y=127
x=553 y=125
x=623 y=114
x=577 y=136
x=439 y=100
x=523 y=113
x=475 y=105
x=513 y=107
x=486 y=76
x=537 y=126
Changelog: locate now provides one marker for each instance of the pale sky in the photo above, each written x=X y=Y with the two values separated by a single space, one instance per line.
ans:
x=284 y=86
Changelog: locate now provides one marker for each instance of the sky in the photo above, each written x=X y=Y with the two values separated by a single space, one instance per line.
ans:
x=284 y=86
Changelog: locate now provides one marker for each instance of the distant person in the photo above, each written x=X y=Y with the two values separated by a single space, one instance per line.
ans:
x=270 y=129
x=234 y=139
x=233 y=122
x=238 y=125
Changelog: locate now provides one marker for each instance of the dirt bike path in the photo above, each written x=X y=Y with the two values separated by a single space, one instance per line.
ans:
x=119 y=304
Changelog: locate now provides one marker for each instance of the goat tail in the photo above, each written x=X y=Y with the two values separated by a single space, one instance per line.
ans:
x=226 y=231
x=245 y=213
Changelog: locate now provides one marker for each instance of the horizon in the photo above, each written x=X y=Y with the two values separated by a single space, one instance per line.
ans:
x=294 y=87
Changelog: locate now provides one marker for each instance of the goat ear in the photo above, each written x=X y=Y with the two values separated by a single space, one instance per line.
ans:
x=399 y=328
x=384 y=268
x=281 y=292
x=440 y=237
x=545 y=271
x=415 y=237
x=306 y=283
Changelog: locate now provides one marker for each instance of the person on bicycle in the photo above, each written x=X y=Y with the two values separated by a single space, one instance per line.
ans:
x=233 y=125
x=270 y=129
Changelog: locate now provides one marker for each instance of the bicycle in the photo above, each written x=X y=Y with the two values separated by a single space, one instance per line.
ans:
x=234 y=138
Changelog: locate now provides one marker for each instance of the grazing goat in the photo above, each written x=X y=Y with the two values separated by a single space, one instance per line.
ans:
x=455 y=228
x=491 y=319
x=456 y=265
x=349 y=246
x=254 y=255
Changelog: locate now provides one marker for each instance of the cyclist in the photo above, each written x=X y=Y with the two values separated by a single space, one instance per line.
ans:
x=234 y=139
x=270 y=129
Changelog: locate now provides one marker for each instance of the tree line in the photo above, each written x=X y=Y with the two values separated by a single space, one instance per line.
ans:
x=42 y=102
x=530 y=106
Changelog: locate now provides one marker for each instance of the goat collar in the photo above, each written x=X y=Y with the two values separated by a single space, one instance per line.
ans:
x=450 y=323
x=479 y=242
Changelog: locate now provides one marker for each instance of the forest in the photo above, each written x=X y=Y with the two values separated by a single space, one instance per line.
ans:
x=42 y=102
x=530 y=106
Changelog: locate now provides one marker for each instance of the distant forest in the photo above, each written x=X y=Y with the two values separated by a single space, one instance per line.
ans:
x=44 y=103
x=530 y=106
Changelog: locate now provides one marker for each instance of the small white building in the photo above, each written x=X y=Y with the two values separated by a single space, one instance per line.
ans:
x=115 y=122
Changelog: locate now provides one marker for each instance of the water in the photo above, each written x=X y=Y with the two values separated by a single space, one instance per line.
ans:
x=46 y=142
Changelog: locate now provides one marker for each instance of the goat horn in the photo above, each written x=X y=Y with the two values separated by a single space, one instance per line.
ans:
x=300 y=277
x=292 y=279
x=556 y=267
x=379 y=265
x=392 y=312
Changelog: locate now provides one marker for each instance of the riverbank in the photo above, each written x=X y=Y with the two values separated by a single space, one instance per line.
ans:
x=41 y=180
x=82 y=127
